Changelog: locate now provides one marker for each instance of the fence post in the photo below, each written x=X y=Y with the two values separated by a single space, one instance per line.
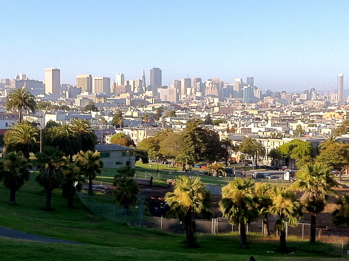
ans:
x=161 y=222
x=247 y=228
x=286 y=229
x=217 y=226
x=262 y=228
x=212 y=226
x=302 y=230
x=232 y=228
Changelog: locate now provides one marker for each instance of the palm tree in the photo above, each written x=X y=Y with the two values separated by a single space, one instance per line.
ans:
x=23 y=137
x=14 y=171
x=21 y=99
x=263 y=191
x=49 y=163
x=126 y=191
x=189 y=196
x=90 y=164
x=316 y=181
x=85 y=135
x=341 y=215
x=239 y=204
x=66 y=140
x=72 y=182
x=287 y=209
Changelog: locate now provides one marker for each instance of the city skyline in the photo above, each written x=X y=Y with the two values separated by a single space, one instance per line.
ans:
x=288 y=46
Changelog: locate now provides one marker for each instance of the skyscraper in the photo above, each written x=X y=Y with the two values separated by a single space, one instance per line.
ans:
x=120 y=79
x=53 y=81
x=101 y=85
x=250 y=81
x=155 y=77
x=144 y=85
x=84 y=81
x=185 y=84
x=340 y=88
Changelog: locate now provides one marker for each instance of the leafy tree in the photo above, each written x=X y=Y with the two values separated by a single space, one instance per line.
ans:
x=341 y=215
x=301 y=151
x=264 y=190
x=44 y=106
x=342 y=129
x=49 y=163
x=287 y=209
x=298 y=131
x=189 y=197
x=146 y=118
x=252 y=148
x=141 y=155
x=228 y=147
x=126 y=190
x=90 y=164
x=86 y=137
x=72 y=182
x=239 y=204
x=171 y=146
x=158 y=112
x=171 y=114
x=23 y=137
x=217 y=122
x=21 y=100
x=208 y=120
x=335 y=155
x=316 y=181
x=152 y=146
x=118 y=119
x=14 y=171
x=122 y=139
x=90 y=107
x=273 y=154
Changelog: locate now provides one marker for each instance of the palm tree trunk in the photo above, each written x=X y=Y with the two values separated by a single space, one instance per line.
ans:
x=90 y=185
x=189 y=229
x=266 y=230
x=312 y=228
x=12 y=197
x=243 y=238
x=283 y=248
x=48 y=198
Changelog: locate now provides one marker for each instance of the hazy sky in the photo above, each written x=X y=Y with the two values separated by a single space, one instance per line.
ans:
x=285 y=45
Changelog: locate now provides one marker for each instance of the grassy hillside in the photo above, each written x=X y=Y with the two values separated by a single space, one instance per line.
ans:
x=105 y=240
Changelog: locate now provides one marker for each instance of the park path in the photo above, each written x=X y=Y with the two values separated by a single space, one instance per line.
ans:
x=12 y=233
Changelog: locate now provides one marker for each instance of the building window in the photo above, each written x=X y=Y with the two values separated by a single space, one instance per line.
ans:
x=118 y=163
x=105 y=154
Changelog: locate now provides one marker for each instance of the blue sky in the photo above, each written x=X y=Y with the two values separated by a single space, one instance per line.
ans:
x=285 y=45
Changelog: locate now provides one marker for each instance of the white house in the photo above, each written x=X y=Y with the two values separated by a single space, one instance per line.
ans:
x=116 y=156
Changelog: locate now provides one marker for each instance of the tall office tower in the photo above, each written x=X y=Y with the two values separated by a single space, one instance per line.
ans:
x=237 y=88
x=247 y=94
x=84 y=81
x=53 y=81
x=101 y=85
x=155 y=77
x=340 y=88
x=120 y=79
x=196 y=85
x=250 y=81
x=144 y=85
x=185 y=84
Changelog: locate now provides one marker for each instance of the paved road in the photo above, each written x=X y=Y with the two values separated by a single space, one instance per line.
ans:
x=11 y=233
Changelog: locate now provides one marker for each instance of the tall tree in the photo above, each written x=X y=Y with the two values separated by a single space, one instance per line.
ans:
x=65 y=139
x=252 y=148
x=301 y=151
x=335 y=155
x=342 y=129
x=122 y=139
x=189 y=197
x=90 y=163
x=21 y=100
x=239 y=204
x=118 y=119
x=264 y=190
x=152 y=146
x=87 y=139
x=72 y=182
x=23 y=137
x=316 y=181
x=208 y=120
x=14 y=171
x=341 y=215
x=49 y=163
x=126 y=189
x=158 y=112
x=287 y=209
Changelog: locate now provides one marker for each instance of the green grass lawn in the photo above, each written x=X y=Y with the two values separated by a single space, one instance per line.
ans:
x=106 y=240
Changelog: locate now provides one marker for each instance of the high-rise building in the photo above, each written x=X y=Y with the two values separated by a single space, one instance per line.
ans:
x=237 y=93
x=84 y=81
x=101 y=85
x=144 y=85
x=155 y=77
x=53 y=81
x=340 y=88
x=185 y=84
x=250 y=81
x=120 y=79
